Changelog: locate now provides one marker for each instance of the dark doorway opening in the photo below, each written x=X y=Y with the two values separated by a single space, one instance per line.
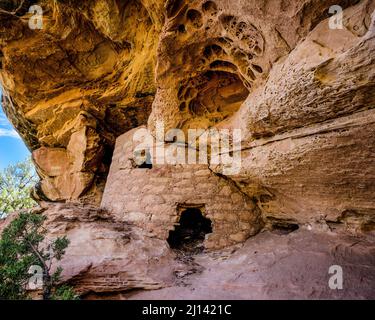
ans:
x=189 y=235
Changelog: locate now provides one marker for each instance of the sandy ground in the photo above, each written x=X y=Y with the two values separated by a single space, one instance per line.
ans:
x=274 y=266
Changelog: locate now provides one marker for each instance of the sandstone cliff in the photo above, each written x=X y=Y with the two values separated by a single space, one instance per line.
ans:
x=302 y=93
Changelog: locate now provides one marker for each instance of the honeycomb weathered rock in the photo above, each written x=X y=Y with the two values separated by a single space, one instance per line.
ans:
x=302 y=93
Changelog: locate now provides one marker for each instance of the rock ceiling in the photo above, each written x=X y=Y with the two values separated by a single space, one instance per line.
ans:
x=302 y=94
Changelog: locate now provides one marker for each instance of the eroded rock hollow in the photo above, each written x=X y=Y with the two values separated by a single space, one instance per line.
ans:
x=301 y=92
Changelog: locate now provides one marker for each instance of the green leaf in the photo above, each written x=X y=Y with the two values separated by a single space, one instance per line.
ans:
x=22 y=245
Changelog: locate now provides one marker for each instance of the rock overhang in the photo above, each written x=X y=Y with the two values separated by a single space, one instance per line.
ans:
x=86 y=78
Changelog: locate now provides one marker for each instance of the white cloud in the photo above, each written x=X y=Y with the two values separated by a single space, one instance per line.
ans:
x=9 y=133
x=3 y=120
x=6 y=129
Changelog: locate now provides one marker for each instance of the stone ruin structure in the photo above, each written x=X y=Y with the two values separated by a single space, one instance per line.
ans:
x=302 y=101
x=301 y=92
x=154 y=197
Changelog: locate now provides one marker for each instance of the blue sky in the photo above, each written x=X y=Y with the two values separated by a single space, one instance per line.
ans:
x=12 y=148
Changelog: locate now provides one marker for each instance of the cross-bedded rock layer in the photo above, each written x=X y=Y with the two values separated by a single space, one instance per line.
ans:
x=302 y=93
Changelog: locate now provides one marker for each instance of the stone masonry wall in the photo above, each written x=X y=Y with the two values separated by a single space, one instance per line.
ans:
x=153 y=199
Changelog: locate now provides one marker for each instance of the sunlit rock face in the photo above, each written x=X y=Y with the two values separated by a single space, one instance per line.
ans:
x=302 y=94
x=78 y=83
x=299 y=86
